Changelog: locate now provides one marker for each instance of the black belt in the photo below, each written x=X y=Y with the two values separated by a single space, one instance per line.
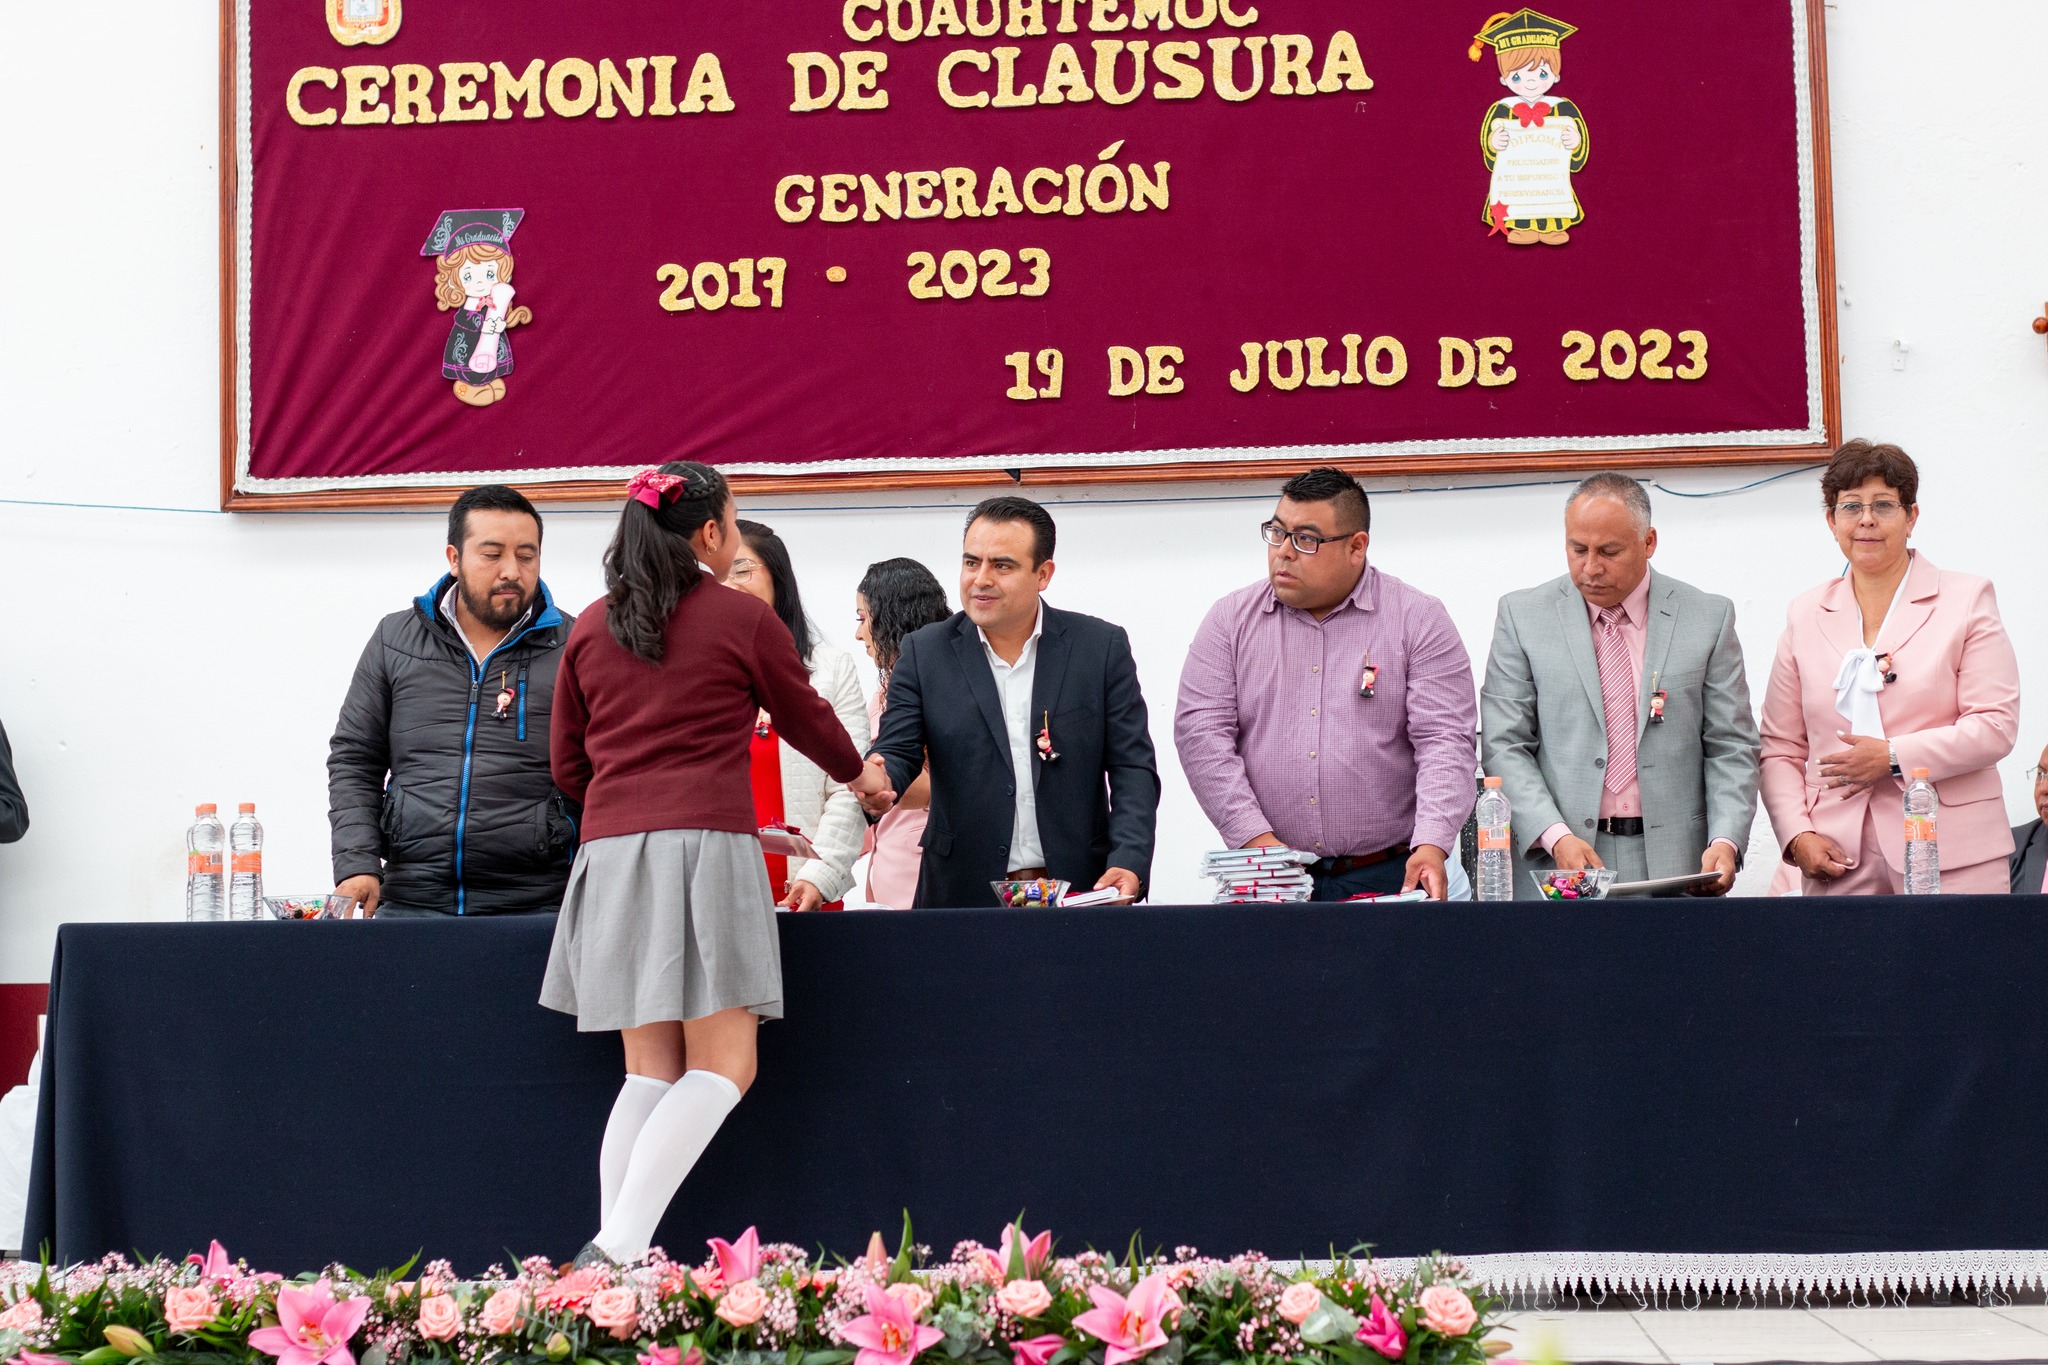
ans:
x=1627 y=826
x=1336 y=867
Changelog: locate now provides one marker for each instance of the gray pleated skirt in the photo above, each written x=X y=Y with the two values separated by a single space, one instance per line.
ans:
x=671 y=924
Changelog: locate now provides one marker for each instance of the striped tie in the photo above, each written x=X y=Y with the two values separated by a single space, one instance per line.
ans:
x=1618 y=687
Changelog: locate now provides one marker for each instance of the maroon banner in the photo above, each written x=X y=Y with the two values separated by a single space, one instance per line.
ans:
x=548 y=242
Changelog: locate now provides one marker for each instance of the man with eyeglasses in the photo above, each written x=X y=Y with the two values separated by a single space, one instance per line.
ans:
x=1617 y=711
x=2030 y=841
x=1329 y=708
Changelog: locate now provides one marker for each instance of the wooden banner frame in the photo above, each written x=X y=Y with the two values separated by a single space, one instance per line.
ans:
x=1266 y=470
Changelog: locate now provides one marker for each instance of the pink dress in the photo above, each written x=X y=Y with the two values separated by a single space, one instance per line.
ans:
x=895 y=842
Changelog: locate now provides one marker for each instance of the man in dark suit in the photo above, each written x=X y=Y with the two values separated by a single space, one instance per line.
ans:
x=2030 y=841
x=1034 y=725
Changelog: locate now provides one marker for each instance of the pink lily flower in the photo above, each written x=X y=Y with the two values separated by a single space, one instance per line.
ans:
x=214 y=1265
x=1381 y=1330
x=738 y=1261
x=889 y=1333
x=670 y=1355
x=36 y=1358
x=1129 y=1327
x=312 y=1328
x=1036 y=1351
x=1037 y=1252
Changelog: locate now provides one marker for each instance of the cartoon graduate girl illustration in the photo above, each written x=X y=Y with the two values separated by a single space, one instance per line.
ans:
x=1532 y=141
x=474 y=277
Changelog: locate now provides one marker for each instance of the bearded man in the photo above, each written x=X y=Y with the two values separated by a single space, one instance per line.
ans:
x=438 y=789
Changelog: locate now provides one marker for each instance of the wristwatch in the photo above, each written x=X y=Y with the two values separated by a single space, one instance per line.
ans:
x=1893 y=751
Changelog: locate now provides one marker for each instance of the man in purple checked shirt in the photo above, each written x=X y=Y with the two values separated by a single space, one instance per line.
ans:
x=1331 y=707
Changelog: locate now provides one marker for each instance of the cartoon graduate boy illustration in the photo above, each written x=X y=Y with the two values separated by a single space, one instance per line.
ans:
x=1532 y=141
x=474 y=277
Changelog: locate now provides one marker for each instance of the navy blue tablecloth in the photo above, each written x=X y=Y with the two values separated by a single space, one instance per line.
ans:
x=1737 y=1076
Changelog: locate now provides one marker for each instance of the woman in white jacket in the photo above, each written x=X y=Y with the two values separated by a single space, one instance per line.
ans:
x=787 y=786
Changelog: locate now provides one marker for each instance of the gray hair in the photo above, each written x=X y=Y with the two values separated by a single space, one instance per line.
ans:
x=1609 y=484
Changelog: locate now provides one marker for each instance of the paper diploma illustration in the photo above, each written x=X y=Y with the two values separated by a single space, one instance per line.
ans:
x=1533 y=176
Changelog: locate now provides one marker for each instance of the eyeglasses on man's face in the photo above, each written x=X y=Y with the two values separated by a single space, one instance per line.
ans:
x=1884 y=509
x=1307 y=542
x=2036 y=773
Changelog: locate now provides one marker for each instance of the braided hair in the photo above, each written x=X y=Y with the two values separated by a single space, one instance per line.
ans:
x=649 y=565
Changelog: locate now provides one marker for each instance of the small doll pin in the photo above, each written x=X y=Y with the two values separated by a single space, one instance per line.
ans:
x=1884 y=668
x=762 y=725
x=1369 y=679
x=505 y=698
x=1657 y=700
x=1045 y=749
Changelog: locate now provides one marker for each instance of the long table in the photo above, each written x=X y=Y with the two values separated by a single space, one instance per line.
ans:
x=1675 y=1076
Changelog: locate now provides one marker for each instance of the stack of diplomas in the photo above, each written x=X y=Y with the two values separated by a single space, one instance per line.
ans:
x=1274 y=875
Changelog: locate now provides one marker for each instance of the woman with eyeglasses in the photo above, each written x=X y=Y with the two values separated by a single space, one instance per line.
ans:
x=789 y=788
x=1896 y=665
x=896 y=597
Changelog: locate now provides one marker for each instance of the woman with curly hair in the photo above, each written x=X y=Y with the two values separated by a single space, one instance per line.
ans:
x=896 y=597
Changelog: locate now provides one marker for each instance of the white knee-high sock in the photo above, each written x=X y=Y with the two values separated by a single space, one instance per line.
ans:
x=674 y=1136
x=637 y=1098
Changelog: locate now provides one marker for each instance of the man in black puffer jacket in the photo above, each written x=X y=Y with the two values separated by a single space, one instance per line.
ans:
x=451 y=703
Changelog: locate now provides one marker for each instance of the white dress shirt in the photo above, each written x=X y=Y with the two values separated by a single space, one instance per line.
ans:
x=1013 y=687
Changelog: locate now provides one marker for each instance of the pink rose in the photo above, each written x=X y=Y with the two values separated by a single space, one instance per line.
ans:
x=503 y=1312
x=188 y=1310
x=1024 y=1298
x=743 y=1304
x=24 y=1316
x=1446 y=1310
x=912 y=1296
x=823 y=1282
x=617 y=1310
x=707 y=1281
x=1298 y=1301
x=440 y=1319
x=1036 y=1351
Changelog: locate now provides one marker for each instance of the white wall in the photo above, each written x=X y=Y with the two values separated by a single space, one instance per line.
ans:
x=160 y=657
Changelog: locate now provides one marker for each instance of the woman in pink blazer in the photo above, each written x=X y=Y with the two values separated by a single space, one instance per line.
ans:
x=1894 y=666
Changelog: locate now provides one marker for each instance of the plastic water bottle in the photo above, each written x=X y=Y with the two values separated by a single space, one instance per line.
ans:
x=1923 y=853
x=1496 y=862
x=206 y=892
x=245 y=865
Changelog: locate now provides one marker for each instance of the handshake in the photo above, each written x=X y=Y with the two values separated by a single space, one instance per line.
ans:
x=877 y=797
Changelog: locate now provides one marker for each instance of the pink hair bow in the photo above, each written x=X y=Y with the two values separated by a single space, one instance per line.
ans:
x=654 y=488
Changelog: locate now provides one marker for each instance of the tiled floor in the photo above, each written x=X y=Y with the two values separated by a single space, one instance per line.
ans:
x=1726 y=1336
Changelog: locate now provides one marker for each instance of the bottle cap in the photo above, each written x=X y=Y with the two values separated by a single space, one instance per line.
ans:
x=247 y=808
x=207 y=809
x=1919 y=773
x=1493 y=782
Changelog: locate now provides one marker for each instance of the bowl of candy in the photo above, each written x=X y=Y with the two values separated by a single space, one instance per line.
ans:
x=322 y=906
x=1586 y=884
x=1038 y=893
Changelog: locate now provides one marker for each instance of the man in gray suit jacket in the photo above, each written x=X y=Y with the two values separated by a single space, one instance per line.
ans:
x=2030 y=841
x=1615 y=710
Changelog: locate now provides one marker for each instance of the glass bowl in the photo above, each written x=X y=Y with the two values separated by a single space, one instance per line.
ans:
x=322 y=906
x=1038 y=893
x=1587 y=884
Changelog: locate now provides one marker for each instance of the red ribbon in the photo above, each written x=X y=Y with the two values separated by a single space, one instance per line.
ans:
x=654 y=488
x=1532 y=113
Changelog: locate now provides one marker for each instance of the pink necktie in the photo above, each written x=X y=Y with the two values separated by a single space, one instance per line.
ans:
x=1618 y=697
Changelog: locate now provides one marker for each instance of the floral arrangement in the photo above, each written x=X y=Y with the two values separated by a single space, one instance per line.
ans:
x=751 y=1303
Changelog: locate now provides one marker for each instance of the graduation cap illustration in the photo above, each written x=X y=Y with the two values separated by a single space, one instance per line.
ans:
x=466 y=227
x=1507 y=32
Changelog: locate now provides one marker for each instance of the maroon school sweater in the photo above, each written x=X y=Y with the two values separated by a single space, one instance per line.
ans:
x=647 y=746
